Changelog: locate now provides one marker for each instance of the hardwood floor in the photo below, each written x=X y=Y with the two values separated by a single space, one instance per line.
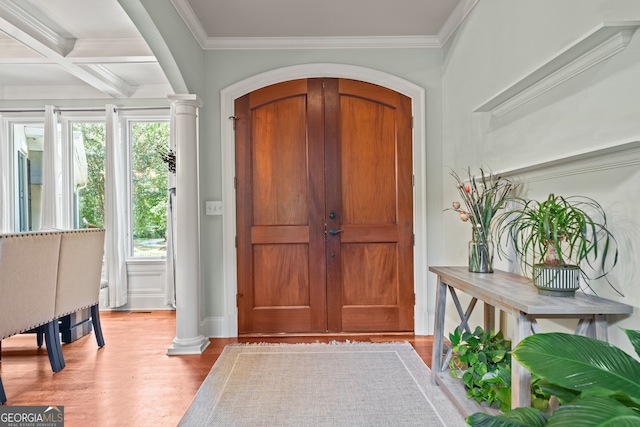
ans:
x=131 y=381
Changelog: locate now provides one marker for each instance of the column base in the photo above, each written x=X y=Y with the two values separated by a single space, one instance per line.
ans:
x=188 y=346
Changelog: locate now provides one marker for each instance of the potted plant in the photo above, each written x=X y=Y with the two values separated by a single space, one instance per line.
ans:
x=595 y=383
x=557 y=238
x=482 y=360
x=482 y=198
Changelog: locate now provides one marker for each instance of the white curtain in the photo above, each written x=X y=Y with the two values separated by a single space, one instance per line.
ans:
x=5 y=178
x=170 y=284
x=51 y=206
x=115 y=211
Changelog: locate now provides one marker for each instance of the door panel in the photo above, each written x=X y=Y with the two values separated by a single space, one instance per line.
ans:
x=324 y=208
x=279 y=166
x=368 y=162
x=370 y=285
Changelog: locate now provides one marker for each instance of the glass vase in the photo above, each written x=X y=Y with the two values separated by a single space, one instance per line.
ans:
x=480 y=254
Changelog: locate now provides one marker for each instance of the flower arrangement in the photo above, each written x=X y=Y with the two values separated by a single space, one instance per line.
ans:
x=482 y=198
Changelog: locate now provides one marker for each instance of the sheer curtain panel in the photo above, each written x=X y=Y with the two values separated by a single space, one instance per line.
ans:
x=117 y=205
x=51 y=172
x=5 y=178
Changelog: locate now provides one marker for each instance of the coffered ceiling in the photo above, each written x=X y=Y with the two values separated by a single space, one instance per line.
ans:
x=85 y=49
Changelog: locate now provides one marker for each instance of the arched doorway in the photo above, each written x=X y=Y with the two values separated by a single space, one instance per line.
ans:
x=227 y=326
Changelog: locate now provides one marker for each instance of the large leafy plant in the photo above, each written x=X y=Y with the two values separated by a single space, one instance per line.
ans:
x=482 y=360
x=597 y=384
x=558 y=232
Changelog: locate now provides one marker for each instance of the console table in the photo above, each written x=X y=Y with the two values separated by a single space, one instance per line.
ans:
x=517 y=296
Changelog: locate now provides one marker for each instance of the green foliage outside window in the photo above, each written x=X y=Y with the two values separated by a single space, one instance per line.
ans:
x=148 y=178
x=149 y=187
x=91 y=198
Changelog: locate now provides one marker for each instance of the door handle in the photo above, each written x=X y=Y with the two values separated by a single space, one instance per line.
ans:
x=334 y=232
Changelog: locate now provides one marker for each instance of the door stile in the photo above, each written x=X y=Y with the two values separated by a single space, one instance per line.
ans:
x=315 y=157
x=333 y=204
x=405 y=212
x=244 y=208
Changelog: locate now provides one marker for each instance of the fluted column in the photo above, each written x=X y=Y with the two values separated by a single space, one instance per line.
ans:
x=188 y=339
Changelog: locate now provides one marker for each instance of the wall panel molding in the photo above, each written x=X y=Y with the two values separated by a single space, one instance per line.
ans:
x=601 y=43
x=617 y=155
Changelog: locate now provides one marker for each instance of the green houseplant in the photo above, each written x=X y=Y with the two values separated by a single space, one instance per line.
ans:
x=597 y=384
x=482 y=360
x=560 y=239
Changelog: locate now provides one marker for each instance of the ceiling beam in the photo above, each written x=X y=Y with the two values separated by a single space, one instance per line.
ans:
x=27 y=29
x=32 y=32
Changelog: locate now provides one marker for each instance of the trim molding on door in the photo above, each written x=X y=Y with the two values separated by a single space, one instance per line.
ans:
x=228 y=325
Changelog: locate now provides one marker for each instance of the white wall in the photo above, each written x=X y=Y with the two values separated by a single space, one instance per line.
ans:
x=504 y=40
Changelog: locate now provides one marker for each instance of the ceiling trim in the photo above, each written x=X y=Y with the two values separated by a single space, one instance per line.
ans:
x=22 y=26
x=221 y=43
x=190 y=18
x=455 y=19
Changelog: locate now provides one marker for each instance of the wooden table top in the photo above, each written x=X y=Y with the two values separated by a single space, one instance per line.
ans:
x=508 y=292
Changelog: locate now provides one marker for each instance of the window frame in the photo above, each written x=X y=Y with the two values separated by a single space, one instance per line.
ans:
x=127 y=122
x=66 y=119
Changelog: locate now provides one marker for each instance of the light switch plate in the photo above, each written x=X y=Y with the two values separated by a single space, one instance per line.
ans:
x=213 y=208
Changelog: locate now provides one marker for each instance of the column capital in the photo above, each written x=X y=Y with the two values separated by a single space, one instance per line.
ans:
x=186 y=98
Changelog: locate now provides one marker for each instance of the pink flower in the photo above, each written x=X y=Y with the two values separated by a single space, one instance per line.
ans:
x=467 y=188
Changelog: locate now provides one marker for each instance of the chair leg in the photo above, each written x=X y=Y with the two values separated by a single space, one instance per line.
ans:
x=3 y=397
x=40 y=336
x=95 y=319
x=54 y=349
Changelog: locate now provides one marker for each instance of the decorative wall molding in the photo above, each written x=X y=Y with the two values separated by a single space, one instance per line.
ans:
x=146 y=286
x=594 y=47
x=613 y=156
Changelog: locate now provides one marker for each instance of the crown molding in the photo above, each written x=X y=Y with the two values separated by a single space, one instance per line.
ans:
x=382 y=42
x=184 y=10
x=191 y=20
x=455 y=19
x=594 y=47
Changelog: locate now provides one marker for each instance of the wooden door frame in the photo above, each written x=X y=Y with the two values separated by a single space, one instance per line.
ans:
x=227 y=326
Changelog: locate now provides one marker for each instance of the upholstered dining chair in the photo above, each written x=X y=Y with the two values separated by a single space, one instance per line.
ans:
x=79 y=275
x=28 y=276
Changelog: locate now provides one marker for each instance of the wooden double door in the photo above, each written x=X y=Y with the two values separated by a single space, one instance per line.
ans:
x=324 y=198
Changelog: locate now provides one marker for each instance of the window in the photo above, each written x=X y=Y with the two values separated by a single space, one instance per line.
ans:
x=81 y=140
x=27 y=147
x=149 y=178
x=88 y=153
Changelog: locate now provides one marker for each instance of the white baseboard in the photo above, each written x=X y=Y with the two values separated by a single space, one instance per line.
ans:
x=215 y=327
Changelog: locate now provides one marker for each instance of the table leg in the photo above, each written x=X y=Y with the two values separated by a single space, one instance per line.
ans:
x=520 y=377
x=438 y=333
x=600 y=321
x=489 y=317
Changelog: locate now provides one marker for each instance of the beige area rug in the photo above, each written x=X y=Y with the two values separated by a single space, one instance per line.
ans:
x=338 y=384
